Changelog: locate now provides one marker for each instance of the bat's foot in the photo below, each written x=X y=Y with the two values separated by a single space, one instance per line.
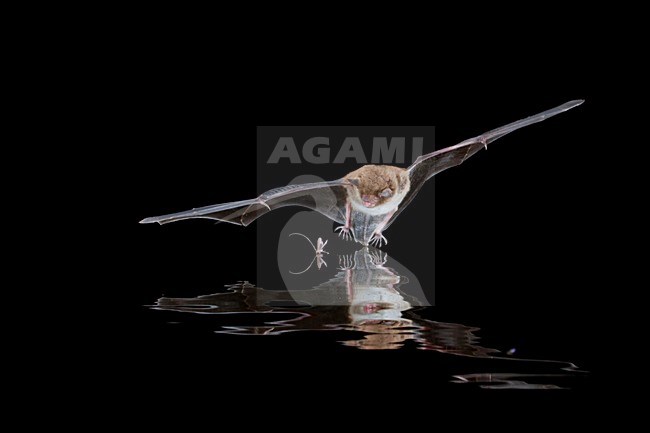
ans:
x=378 y=258
x=344 y=233
x=378 y=240
x=346 y=262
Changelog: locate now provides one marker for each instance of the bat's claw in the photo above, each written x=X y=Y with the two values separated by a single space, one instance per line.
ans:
x=263 y=203
x=344 y=232
x=378 y=240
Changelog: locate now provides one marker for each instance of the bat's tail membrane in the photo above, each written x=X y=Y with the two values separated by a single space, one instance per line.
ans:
x=239 y=212
x=495 y=134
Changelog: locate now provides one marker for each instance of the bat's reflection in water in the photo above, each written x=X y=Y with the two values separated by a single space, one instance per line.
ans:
x=364 y=296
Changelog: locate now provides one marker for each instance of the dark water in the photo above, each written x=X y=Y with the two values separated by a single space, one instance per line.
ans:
x=365 y=306
x=374 y=324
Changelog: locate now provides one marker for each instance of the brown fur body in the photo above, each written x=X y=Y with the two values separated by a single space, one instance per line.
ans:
x=371 y=180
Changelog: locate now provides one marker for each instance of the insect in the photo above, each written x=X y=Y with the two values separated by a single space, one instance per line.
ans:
x=319 y=250
x=366 y=201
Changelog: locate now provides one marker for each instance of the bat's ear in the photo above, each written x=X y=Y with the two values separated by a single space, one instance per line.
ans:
x=354 y=181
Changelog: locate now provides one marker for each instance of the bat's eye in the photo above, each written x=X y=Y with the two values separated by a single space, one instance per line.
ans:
x=386 y=193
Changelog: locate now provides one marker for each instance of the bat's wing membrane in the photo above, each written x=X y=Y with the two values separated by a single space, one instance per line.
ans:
x=427 y=166
x=328 y=198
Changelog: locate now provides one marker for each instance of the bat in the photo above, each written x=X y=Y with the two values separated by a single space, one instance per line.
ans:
x=366 y=201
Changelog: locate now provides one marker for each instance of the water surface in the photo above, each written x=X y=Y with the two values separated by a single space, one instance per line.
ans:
x=366 y=306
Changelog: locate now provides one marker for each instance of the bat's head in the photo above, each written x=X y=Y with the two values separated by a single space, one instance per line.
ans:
x=376 y=185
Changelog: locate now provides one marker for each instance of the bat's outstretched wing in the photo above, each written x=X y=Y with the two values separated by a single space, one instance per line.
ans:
x=427 y=166
x=328 y=198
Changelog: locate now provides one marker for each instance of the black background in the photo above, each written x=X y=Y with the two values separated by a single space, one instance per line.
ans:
x=518 y=245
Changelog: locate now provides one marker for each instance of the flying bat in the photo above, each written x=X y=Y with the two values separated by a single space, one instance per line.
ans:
x=366 y=201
